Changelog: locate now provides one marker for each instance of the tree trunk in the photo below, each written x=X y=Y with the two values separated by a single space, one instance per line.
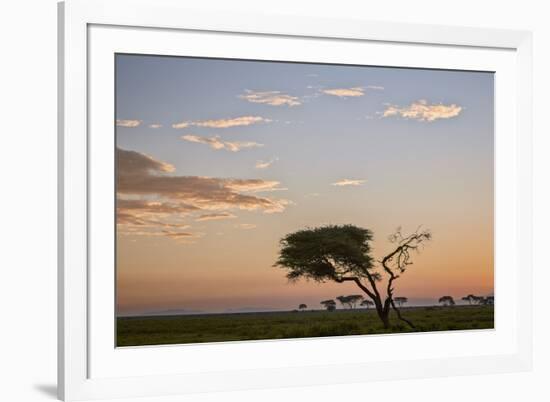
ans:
x=384 y=317
x=400 y=316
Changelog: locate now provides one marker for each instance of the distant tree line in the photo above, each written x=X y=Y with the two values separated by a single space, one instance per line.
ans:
x=471 y=299
x=352 y=301
x=480 y=300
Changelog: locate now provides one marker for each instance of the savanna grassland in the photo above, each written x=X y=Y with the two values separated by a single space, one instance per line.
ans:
x=162 y=330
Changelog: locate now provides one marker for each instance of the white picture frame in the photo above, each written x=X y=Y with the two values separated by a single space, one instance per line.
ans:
x=90 y=367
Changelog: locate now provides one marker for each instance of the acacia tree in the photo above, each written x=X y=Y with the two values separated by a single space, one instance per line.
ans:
x=354 y=299
x=400 y=300
x=350 y=301
x=302 y=306
x=487 y=301
x=343 y=301
x=447 y=301
x=342 y=254
x=367 y=303
x=330 y=305
x=472 y=299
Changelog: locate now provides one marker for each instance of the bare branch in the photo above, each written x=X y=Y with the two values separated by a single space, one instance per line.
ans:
x=400 y=258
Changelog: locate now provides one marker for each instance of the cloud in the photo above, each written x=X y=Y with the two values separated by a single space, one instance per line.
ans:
x=153 y=202
x=128 y=123
x=183 y=124
x=180 y=235
x=253 y=185
x=133 y=232
x=265 y=164
x=238 y=121
x=150 y=218
x=223 y=123
x=268 y=190
x=273 y=98
x=135 y=163
x=345 y=92
x=348 y=182
x=351 y=92
x=155 y=125
x=142 y=208
x=157 y=208
x=215 y=216
x=423 y=111
x=132 y=221
x=245 y=226
x=142 y=177
x=216 y=143
x=153 y=232
x=131 y=225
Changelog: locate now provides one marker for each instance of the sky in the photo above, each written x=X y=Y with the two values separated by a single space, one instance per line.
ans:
x=218 y=159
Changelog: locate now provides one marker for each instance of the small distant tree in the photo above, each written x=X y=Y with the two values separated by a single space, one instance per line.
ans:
x=354 y=299
x=367 y=303
x=400 y=300
x=447 y=301
x=329 y=305
x=471 y=299
x=487 y=301
x=302 y=306
x=350 y=301
x=344 y=301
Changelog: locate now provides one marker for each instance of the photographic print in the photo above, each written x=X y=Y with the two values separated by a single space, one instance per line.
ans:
x=261 y=200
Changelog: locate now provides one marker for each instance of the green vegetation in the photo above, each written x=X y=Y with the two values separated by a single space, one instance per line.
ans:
x=135 y=331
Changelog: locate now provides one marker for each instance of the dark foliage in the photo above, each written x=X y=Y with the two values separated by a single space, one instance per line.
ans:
x=326 y=253
x=447 y=301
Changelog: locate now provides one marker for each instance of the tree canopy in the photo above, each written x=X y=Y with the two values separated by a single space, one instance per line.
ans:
x=400 y=300
x=350 y=301
x=367 y=303
x=330 y=305
x=447 y=300
x=471 y=299
x=326 y=253
x=487 y=301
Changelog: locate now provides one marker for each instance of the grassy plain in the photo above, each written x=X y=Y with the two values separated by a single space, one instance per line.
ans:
x=161 y=330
